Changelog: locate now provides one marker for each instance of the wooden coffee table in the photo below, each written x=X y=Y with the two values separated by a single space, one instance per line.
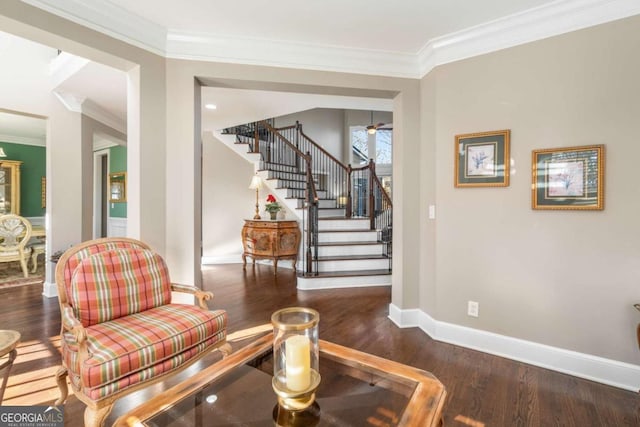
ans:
x=356 y=389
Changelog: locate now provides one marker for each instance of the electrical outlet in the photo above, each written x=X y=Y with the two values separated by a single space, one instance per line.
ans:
x=473 y=308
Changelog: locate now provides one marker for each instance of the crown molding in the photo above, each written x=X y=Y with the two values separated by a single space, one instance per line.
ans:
x=107 y=18
x=90 y=109
x=277 y=53
x=64 y=66
x=559 y=17
x=24 y=140
x=101 y=143
x=70 y=101
x=93 y=110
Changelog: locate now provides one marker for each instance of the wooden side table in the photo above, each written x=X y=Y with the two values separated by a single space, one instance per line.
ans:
x=275 y=240
x=8 y=342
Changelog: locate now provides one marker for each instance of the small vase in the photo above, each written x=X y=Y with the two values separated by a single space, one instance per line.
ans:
x=273 y=215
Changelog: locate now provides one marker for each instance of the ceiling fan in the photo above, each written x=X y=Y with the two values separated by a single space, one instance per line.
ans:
x=371 y=129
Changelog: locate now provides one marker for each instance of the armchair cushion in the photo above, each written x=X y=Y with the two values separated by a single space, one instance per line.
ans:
x=97 y=246
x=127 y=350
x=118 y=282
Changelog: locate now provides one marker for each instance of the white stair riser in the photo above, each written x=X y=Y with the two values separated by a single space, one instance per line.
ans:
x=344 y=224
x=329 y=213
x=353 y=265
x=282 y=183
x=322 y=203
x=299 y=193
x=342 y=236
x=277 y=167
x=291 y=176
x=310 y=283
x=349 y=250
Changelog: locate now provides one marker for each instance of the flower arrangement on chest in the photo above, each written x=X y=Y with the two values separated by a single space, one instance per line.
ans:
x=272 y=205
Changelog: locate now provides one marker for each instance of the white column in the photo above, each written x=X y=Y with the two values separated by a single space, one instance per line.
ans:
x=64 y=185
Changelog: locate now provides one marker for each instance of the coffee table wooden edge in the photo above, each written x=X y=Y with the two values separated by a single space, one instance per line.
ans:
x=201 y=379
x=428 y=398
x=424 y=407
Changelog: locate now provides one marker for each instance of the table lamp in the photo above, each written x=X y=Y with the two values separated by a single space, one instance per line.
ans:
x=256 y=183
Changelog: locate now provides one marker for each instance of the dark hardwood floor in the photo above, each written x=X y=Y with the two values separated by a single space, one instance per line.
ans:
x=483 y=390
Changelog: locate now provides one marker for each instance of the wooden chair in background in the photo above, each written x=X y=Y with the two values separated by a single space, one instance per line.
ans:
x=15 y=232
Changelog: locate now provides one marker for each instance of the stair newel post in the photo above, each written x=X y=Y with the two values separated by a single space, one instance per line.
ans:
x=349 y=203
x=270 y=141
x=297 y=142
x=310 y=221
x=256 y=136
x=372 y=200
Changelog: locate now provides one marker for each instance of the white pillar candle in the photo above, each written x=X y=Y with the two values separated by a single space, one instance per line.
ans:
x=298 y=362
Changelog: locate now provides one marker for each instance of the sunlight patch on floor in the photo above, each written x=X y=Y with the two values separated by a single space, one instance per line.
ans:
x=32 y=350
x=32 y=388
x=468 y=421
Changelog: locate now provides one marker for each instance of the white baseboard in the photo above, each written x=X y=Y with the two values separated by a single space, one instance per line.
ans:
x=310 y=283
x=36 y=220
x=49 y=290
x=607 y=371
x=116 y=227
x=221 y=259
x=237 y=259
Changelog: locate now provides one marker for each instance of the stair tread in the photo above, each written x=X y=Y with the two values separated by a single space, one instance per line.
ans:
x=287 y=172
x=338 y=218
x=351 y=243
x=290 y=180
x=347 y=231
x=351 y=257
x=350 y=273
x=302 y=198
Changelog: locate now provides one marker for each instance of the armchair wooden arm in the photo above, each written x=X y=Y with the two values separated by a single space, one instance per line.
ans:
x=202 y=296
x=71 y=324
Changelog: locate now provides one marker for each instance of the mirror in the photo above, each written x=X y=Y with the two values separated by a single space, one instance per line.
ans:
x=118 y=187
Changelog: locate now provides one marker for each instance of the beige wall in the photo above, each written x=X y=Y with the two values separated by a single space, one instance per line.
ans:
x=226 y=200
x=322 y=125
x=565 y=279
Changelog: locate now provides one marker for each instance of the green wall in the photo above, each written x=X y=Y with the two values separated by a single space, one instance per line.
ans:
x=118 y=163
x=32 y=170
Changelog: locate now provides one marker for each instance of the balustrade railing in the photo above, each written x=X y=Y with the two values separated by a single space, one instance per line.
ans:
x=358 y=191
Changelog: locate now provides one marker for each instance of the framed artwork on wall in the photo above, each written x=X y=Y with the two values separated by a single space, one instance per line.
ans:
x=118 y=187
x=568 y=178
x=482 y=159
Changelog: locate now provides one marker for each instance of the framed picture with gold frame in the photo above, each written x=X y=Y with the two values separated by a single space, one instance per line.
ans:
x=118 y=187
x=482 y=159
x=568 y=178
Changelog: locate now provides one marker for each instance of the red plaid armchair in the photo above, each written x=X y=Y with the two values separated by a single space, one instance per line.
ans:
x=120 y=330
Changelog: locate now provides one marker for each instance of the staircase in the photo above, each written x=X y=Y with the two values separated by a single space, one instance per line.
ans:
x=345 y=218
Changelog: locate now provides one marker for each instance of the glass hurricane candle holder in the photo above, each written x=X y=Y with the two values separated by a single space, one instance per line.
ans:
x=295 y=357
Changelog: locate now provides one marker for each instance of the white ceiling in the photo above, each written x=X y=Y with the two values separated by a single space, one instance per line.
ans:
x=22 y=129
x=398 y=26
x=400 y=38
x=403 y=38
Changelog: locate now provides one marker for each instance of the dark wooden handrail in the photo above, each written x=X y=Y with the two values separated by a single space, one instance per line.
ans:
x=319 y=147
x=385 y=196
